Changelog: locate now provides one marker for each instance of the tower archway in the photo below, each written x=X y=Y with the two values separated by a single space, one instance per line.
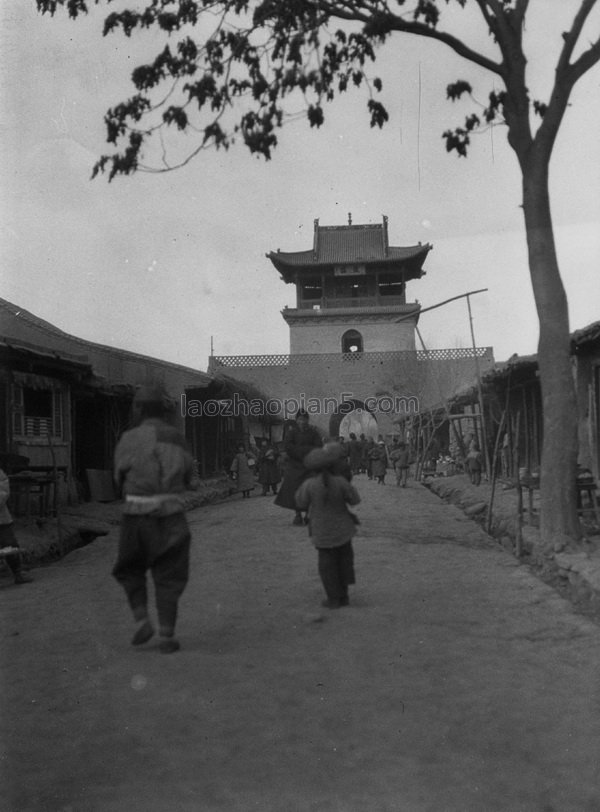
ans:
x=353 y=416
x=352 y=341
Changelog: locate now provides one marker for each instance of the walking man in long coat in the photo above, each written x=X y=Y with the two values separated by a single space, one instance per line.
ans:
x=299 y=440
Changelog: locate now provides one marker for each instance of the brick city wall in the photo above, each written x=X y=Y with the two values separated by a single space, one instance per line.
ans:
x=417 y=380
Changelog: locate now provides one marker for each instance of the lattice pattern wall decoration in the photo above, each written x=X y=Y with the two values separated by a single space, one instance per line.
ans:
x=253 y=361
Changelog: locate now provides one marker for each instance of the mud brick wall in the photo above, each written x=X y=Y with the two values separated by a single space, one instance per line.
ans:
x=412 y=380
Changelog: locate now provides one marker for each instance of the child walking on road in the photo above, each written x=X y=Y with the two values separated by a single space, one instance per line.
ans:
x=242 y=470
x=326 y=496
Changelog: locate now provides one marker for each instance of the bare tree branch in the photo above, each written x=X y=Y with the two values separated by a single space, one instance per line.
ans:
x=586 y=61
x=566 y=76
x=457 y=45
x=571 y=37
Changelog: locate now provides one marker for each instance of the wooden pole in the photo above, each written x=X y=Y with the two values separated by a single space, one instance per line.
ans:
x=480 y=392
x=440 y=304
x=503 y=419
x=526 y=422
x=494 y=466
x=56 y=508
x=519 y=533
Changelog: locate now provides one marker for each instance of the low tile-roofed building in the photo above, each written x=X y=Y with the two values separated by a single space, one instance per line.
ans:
x=64 y=400
x=20 y=329
x=585 y=336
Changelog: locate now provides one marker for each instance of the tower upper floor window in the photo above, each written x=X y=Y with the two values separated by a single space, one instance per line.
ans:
x=311 y=290
x=390 y=285
x=351 y=288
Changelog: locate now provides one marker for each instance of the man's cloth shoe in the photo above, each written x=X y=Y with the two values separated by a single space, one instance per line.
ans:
x=168 y=645
x=143 y=634
x=336 y=603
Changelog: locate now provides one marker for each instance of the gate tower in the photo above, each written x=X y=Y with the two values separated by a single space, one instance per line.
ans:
x=352 y=360
x=351 y=291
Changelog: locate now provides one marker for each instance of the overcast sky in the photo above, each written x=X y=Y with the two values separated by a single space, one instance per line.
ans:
x=159 y=264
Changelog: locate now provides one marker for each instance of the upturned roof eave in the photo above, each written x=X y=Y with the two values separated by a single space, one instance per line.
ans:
x=289 y=265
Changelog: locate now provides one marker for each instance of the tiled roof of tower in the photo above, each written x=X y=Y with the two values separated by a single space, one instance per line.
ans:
x=351 y=243
x=365 y=244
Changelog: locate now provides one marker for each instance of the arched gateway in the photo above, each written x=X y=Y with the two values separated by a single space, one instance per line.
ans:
x=353 y=417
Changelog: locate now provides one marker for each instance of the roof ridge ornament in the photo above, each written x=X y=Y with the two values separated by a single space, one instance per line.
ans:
x=386 y=242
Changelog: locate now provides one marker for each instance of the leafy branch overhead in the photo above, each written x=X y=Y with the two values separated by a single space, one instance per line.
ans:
x=238 y=69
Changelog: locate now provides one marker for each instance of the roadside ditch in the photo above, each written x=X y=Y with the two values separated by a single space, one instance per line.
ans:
x=45 y=540
x=574 y=574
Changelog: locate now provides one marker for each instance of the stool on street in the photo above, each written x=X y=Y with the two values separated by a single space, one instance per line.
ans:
x=27 y=488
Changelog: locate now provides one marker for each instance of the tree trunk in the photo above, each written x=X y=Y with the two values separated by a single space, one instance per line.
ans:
x=559 y=524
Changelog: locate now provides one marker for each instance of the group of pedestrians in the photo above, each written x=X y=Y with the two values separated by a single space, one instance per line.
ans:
x=248 y=468
x=265 y=466
x=373 y=458
x=153 y=468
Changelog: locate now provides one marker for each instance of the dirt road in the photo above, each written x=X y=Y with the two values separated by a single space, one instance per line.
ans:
x=454 y=682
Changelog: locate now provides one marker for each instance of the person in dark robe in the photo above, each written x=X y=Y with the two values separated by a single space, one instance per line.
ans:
x=368 y=462
x=300 y=438
x=268 y=468
x=378 y=457
x=355 y=455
